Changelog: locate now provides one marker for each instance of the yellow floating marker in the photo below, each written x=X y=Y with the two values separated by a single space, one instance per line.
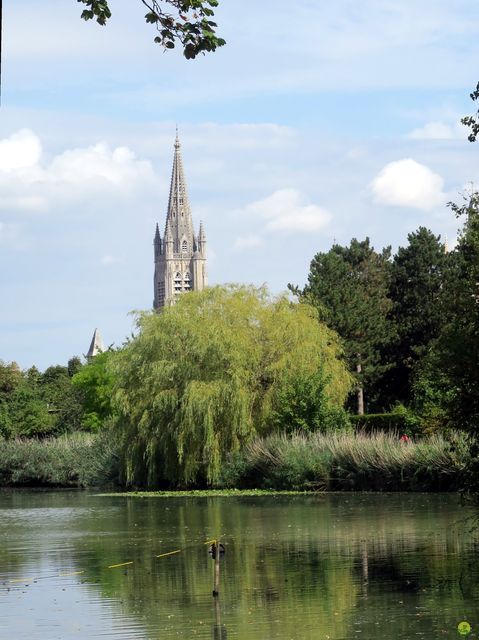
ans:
x=23 y=580
x=122 y=564
x=66 y=575
x=170 y=553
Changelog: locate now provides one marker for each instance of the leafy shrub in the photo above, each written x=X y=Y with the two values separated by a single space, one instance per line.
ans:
x=386 y=422
x=301 y=404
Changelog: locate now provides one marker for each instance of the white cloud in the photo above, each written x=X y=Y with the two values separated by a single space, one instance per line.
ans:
x=248 y=242
x=407 y=183
x=30 y=183
x=20 y=151
x=117 y=166
x=435 y=131
x=287 y=210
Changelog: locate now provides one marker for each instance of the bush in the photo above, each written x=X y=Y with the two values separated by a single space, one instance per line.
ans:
x=301 y=404
x=386 y=422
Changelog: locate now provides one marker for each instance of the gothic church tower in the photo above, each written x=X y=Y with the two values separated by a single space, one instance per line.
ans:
x=180 y=256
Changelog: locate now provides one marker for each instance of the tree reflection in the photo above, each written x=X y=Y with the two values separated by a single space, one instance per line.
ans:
x=387 y=566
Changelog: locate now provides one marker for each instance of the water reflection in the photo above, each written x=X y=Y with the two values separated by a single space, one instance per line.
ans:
x=219 y=630
x=336 y=566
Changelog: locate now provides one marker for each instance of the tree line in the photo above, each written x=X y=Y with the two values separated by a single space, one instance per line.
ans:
x=370 y=332
x=408 y=322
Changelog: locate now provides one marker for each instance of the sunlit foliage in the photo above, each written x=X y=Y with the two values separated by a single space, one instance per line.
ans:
x=206 y=375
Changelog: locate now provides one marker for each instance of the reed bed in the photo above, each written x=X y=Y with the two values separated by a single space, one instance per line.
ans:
x=349 y=461
x=300 y=462
x=73 y=460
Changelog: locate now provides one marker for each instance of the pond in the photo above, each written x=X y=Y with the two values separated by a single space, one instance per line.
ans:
x=330 y=566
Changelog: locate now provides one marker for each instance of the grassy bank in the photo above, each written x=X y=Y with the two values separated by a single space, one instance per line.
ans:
x=314 y=462
x=75 y=460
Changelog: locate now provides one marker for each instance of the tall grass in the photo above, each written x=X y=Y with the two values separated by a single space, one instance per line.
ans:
x=74 y=460
x=337 y=461
x=348 y=461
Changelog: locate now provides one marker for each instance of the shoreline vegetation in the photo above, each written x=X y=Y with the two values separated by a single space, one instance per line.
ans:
x=297 y=463
x=234 y=388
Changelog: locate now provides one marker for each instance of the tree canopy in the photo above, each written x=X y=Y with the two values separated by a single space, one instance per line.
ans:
x=349 y=287
x=184 y=22
x=94 y=382
x=35 y=404
x=209 y=373
x=458 y=344
x=416 y=283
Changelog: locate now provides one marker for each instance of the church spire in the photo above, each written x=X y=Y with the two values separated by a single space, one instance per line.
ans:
x=96 y=346
x=180 y=256
x=179 y=212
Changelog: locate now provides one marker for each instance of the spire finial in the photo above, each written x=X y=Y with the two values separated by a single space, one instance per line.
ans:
x=177 y=139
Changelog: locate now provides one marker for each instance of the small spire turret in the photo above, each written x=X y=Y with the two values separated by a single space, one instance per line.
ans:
x=202 y=239
x=168 y=240
x=157 y=242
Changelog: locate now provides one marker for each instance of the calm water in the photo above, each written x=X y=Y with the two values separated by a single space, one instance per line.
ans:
x=296 y=568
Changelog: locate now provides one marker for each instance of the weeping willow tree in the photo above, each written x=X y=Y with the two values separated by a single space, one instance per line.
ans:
x=204 y=376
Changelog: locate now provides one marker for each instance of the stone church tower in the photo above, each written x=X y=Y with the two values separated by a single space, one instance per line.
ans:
x=180 y=256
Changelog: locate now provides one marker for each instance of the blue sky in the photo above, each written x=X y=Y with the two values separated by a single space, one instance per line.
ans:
x=318 y=121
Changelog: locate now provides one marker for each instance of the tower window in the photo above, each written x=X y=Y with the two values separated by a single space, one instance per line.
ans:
x=184 y=246
x=178 y=281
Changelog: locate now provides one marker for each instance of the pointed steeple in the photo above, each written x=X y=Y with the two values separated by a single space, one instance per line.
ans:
x=157 y=241
x=96 y=345
x=180 y=266
x=179 y=212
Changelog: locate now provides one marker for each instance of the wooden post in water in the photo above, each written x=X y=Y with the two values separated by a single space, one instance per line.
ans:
x=216 y=587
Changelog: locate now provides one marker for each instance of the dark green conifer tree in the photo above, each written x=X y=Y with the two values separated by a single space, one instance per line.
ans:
x=349 y=286
x=417 y=276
